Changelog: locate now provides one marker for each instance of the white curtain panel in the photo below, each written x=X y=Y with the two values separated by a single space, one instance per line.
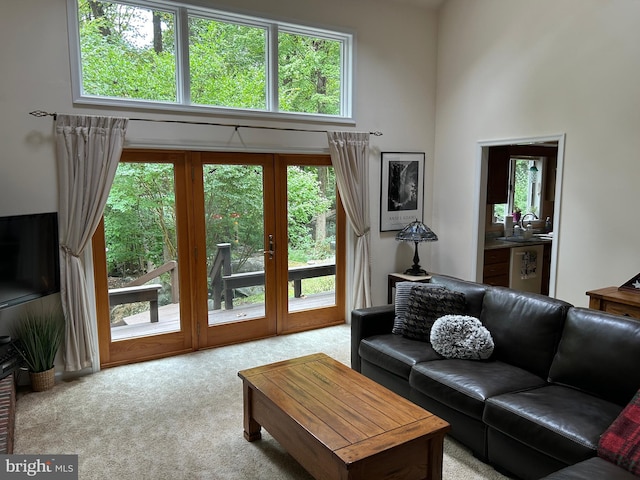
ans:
x=350 y=159
x=88 y=151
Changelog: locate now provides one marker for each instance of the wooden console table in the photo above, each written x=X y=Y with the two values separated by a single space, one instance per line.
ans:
x=612 y=300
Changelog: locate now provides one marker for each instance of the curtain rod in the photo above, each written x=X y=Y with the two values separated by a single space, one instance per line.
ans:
x=41 y=113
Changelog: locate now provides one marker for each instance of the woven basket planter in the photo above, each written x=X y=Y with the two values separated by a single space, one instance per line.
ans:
x=42 y=381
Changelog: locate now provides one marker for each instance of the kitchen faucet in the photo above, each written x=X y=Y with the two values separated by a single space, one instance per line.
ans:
x=522 y=224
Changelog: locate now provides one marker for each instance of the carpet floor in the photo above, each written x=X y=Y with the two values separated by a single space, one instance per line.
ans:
x=181 y=417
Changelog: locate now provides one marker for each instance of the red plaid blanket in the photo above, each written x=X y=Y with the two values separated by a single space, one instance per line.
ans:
x=620 y=443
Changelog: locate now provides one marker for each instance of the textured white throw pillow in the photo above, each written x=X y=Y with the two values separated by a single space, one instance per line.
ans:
x=461 y=336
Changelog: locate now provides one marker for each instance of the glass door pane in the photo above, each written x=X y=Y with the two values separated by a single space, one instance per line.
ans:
x=142 y=251
x=141 y=258
x=235 y=232
x=233 y=222
x=313 y=230
x=311 y=227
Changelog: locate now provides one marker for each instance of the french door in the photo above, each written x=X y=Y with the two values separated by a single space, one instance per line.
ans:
x=205 y=249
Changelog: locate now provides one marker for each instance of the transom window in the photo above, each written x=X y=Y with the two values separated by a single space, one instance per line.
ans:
x=166 y=55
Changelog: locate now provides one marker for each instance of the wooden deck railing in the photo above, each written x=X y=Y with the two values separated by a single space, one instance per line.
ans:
x=137 y=291
x=224 y=282
x=172 y=267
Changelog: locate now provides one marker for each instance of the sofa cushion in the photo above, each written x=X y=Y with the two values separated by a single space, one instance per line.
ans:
x=620 y=443
x=396 y=353
x=473 y=292
x=465 y=385
x=592 y=469
x=461 y=336
x=403 y=292
x=526 y=327
x=426 y=306
x=599 y=353
x=558 y=421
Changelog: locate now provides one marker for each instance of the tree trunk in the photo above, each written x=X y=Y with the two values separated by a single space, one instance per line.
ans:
x=157 y=33
x=321 y=220
x=97 y=10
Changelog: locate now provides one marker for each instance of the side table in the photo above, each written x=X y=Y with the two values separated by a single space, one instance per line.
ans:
x=402 y=277
x=612 y=300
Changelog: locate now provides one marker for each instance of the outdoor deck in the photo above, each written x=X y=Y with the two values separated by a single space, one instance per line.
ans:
x=140 y=325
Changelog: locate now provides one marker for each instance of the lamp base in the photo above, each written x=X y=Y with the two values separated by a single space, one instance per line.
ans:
x=416 y=271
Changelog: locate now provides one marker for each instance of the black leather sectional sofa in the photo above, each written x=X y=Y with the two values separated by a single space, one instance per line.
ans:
x=558 y=377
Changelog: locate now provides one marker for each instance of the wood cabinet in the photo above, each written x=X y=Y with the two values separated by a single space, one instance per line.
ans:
x=546 y=269
x=498 y=175
x=615 y=301
x=496 y=267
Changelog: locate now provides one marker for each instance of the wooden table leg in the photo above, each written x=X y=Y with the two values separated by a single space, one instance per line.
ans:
x=436 y=452
x=251 y=427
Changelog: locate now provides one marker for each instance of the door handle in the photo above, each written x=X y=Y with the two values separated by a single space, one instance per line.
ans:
x=271 y=250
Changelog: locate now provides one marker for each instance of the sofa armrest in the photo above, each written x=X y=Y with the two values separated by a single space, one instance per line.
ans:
x=366 y=322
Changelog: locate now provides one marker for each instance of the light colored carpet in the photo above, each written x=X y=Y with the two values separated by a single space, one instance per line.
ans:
x=181 y=417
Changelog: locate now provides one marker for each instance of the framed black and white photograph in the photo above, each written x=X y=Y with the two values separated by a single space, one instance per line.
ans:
x=401 y=189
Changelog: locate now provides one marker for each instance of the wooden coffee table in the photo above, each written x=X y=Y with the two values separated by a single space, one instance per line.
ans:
x=338 y=424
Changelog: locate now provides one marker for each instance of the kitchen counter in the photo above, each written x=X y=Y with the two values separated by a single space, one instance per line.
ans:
x=500 y=242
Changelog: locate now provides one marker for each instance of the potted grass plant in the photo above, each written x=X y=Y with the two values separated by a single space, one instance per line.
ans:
x=40 y=336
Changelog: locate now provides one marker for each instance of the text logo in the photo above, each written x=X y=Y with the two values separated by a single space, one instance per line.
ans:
x=51 y=467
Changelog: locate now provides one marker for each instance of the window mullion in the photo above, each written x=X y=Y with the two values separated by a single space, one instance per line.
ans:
x=272 y=69
x=182 y=57
x=346 y=82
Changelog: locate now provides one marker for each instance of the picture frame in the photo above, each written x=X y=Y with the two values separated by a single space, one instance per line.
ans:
x=632 y=285
x=401 y=189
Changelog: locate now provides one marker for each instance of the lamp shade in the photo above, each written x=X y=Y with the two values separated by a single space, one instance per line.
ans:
x=416 y=232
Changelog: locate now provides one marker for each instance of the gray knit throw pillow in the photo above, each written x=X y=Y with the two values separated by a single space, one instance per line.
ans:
x=461 y=336
x=426 y=306
x=403 y=291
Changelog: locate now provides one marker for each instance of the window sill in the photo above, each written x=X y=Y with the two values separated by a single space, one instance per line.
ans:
x=130 y=105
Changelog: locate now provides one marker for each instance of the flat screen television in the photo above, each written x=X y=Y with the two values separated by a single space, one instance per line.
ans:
x=29 y=258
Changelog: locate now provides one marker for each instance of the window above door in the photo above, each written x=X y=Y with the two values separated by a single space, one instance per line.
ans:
x=172 y=56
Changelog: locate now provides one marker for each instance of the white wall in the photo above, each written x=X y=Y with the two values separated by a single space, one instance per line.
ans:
x=522 y=68
x=395 y=93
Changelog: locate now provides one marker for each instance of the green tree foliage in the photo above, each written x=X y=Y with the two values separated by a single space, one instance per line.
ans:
x=522 y=191
x=309 y=74
x=227 y=64
x=234 y=210
x=140 y=219
x=118 y=60
x=130 y=52
x=306 y=201
x=140 y=215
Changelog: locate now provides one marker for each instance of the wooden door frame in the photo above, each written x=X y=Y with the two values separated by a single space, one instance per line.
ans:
x=193 y=276
x=290 y=322
x=480 y=195
x=229 y=333
x=157 y=346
